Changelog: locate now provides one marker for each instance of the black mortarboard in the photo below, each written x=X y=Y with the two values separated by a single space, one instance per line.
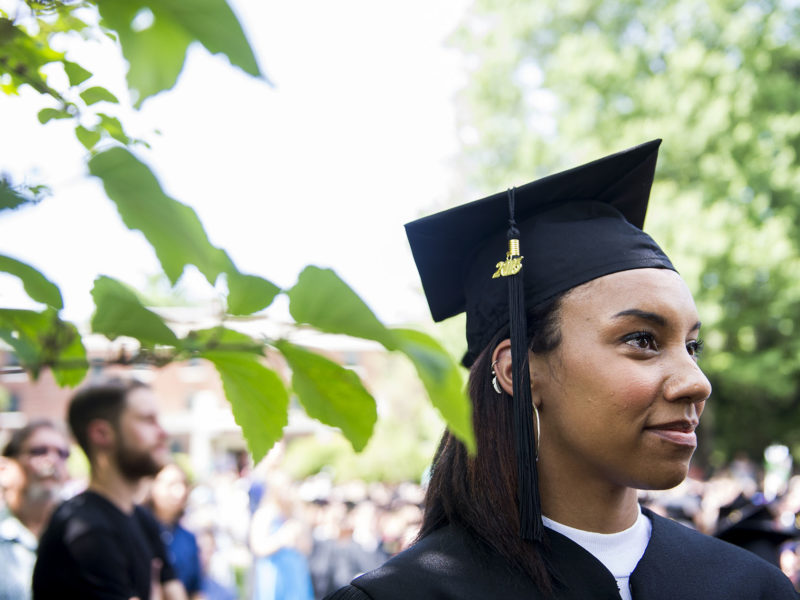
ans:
x=571 y=227
x=754 y=526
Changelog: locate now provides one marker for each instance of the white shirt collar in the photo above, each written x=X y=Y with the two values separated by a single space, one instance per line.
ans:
x=619 y=552
x=12 y=530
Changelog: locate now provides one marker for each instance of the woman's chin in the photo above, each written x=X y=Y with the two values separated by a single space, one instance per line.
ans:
x=664 y=478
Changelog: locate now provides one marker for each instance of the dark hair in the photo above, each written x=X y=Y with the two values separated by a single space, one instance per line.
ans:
x=479 y=492
x=98 y=401
x=14 y=446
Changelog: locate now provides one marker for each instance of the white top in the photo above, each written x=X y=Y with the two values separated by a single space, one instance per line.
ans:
x=619 y=552
x=17 y=557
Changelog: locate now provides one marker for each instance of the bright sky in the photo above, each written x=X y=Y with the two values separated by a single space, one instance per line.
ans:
x=356 y=138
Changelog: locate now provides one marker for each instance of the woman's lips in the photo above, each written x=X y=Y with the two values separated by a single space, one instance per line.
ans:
x=678 y=432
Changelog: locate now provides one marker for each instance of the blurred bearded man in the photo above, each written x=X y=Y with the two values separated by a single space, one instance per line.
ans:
x=32 y=474
x=100 y=544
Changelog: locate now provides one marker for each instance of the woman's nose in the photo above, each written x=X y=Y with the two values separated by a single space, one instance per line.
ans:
x=688 y=383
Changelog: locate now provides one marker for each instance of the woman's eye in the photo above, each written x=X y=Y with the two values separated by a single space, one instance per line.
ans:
x=695 y=348
x=641 y=339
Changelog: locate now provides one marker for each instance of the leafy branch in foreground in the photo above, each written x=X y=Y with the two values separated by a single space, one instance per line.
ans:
x=154 y=36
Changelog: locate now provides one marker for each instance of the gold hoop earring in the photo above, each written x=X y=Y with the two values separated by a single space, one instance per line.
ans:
x=495 y=383
x=538 y=432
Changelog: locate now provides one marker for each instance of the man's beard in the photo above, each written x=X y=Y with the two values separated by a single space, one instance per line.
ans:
x=42 y=493
x=134 y=465
x=43 y=484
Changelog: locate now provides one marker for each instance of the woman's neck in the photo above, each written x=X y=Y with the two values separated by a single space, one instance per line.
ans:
x=165 y=516
x=587 y=504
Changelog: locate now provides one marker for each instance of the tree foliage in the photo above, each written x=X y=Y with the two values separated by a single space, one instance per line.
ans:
x=153 y=36
x=555 y=83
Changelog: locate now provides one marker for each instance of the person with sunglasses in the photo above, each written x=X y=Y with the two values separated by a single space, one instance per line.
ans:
x=32 y=475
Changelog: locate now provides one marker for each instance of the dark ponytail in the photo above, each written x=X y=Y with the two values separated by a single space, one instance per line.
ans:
x=479 y=493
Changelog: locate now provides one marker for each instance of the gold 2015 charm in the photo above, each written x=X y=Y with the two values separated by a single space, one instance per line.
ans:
x=513 y=262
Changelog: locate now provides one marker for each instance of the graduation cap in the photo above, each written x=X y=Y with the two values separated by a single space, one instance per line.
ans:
x=497 y=257
x=754 y=526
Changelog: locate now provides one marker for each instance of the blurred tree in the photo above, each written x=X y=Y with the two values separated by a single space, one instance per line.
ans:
x=558 y=82
x=153 y=37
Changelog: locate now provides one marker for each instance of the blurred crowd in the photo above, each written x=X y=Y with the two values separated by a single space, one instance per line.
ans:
x=269 y=537
x=257 y=533
x=749 y=504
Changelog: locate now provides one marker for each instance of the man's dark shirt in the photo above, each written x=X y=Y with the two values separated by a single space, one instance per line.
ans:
x=91 y=549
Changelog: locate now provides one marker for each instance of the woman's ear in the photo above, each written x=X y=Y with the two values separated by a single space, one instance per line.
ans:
x=501 y=359
x=501 y=365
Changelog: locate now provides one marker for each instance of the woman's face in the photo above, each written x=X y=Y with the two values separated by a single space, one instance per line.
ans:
x=170 y=491
x=621 y=395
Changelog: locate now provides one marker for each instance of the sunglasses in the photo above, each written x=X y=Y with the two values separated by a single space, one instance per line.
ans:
x=62 y=453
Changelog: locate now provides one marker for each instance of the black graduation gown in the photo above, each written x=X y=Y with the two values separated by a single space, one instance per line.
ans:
x=678 y=564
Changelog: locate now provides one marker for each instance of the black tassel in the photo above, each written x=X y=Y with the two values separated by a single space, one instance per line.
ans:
x=530 y=511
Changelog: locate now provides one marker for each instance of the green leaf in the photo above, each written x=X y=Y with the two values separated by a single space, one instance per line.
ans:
x=172 y=228
x=331 y=393
x=76 y=73
x=36 y=285
x=213 y=24
x=13 y=196
x=248 y=293
x=442 y=379
x=9 y=88
x=222 y=339
x=257 y=396
x=48 y=114
x=20 y=330
x=67 y=22
x=9 y=197
x=321 y=299
x=23 y=57
x=155 y=54
x=156 y=57
x=97 y=94
x=155 y=47
x=114 y=128
x=71 y=365
x=87 y=137
x=43 y=339
x=119 y=312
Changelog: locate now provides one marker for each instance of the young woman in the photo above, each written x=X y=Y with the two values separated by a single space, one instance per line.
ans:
x=582 y=347
x=169 y=497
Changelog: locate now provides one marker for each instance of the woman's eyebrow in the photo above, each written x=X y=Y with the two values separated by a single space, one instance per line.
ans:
x=656 y=318
x=643 y=314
